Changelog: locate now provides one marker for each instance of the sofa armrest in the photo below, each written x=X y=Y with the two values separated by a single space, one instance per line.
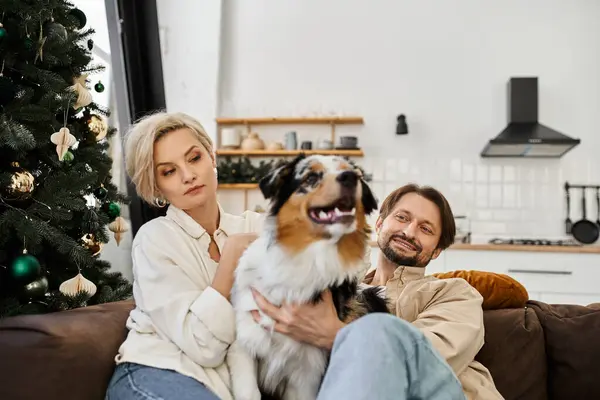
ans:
x=64 y=355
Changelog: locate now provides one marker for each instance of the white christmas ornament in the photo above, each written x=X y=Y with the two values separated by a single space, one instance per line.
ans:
x=63 y=140
x=119 y=226
x=76 y=285
x=84 y=97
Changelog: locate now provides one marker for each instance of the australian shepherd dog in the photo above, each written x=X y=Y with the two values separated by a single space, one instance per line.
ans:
x=314 y=239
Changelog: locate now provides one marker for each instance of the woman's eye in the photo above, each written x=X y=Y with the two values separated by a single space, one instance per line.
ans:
x=168 y=172
x=196 y=158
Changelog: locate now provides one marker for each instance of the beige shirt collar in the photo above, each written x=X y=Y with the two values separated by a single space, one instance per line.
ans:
x=401 y=274
x=193 y=228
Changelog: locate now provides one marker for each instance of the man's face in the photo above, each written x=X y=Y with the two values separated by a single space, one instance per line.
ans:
x=409 y=235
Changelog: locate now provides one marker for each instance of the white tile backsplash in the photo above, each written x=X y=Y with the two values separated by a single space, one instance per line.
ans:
x=507 y=198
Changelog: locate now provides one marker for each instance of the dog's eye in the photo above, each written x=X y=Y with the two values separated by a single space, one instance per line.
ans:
x=312 y=178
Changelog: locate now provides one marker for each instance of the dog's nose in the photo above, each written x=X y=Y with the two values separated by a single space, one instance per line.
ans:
x=348 y=179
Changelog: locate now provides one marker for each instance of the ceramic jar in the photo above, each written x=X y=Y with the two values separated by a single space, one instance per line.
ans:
x=253 y=142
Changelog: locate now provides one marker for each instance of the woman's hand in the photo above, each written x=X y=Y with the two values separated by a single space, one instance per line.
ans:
x=315 y=324
x=232 y=251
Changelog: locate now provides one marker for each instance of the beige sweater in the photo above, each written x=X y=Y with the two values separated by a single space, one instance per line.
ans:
x=449 y=313
x=179 y=321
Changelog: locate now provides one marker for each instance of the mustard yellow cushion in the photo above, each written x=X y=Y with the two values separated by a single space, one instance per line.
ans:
x=498 y=290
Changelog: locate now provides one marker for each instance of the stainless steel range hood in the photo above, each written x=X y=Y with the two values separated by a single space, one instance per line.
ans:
x=524 y=136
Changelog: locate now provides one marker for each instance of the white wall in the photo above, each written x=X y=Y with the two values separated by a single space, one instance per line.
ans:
x=443 y=64
x=190 y=33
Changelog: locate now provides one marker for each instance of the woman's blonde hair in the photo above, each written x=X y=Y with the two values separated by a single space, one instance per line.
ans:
x=139 y=148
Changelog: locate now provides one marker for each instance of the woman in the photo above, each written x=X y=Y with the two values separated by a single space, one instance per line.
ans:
x=183 y=266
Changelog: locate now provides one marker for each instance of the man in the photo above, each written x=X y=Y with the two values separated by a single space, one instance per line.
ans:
x=414 y=226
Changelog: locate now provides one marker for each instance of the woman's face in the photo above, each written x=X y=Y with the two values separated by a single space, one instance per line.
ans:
x=184 y=170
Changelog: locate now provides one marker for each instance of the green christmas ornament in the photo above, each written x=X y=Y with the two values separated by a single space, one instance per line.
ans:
x=112 y=209
x=68 y=157
x=99 y=87
x=25 y=268
x=101 y=193
x=3 y=32
x=80 y=16
x=36 y=289
x=29 y=44
x=56 y=31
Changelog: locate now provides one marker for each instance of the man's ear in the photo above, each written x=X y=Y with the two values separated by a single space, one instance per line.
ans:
x=436 y=253
x=378 y=224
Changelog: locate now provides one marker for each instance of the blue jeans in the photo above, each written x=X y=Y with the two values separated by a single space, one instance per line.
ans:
x=378 y=356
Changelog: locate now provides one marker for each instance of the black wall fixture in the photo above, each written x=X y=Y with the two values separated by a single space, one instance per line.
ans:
x=401 y=125
x=144 y=77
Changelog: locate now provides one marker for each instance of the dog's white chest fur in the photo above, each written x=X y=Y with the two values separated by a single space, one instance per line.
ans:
x=266 y=267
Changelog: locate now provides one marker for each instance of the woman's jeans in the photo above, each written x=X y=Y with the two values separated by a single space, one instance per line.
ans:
x=378 y=356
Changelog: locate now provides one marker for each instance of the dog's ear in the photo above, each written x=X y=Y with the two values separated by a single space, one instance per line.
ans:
x=271 y=183
x=369 y=201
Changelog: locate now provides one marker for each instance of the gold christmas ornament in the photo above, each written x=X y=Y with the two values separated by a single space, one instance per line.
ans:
x=98 y=126
x=119 y=226
x=84 y=97
x=92 y=244
x=22 y=182
x=63 y=139
x=72 y=287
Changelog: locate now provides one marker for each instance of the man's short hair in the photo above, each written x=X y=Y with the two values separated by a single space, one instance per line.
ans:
x=433 y=195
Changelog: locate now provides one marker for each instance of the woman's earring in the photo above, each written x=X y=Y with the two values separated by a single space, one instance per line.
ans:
x=216 y=172
x=160 y=203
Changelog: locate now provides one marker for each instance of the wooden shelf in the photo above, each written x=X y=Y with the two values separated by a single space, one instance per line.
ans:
x=290 y=120
x=284 y=153
x=238 y=186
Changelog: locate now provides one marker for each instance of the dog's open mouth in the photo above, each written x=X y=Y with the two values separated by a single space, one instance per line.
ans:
x=342 y=211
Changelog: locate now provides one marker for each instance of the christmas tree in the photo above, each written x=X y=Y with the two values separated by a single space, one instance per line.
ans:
x=58 y=205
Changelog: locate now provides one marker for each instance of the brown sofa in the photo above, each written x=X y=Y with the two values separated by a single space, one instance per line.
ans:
x=534 y=353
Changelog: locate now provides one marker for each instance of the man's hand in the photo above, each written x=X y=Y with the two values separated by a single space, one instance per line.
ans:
x=315 y=324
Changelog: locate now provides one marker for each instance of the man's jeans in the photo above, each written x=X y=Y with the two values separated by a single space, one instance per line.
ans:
x=378 y=356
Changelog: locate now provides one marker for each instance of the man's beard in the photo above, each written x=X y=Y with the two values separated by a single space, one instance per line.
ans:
x=418 y=260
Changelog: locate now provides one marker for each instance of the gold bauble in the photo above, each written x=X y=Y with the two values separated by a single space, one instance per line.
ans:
x=98 y=126
x=92 y=244
x=21 y=183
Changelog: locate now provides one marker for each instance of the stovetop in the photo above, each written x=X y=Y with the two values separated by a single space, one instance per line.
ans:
x=535 y=242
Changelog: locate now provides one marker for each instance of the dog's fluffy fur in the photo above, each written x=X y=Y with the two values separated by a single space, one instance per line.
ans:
x=315 y=239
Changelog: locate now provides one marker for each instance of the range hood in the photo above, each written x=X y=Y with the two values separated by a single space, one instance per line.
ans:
x=524 y=136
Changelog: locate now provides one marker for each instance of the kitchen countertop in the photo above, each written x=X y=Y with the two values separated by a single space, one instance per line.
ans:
x=514 y=247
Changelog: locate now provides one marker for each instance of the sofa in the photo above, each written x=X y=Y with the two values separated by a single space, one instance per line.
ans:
x=535 y=352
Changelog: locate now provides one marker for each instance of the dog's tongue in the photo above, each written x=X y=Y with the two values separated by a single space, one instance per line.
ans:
x=332 y=216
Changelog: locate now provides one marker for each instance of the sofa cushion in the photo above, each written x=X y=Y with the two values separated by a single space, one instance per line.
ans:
x=573 y=348
x=498 y=290
x=514 y=353
x=65 y=355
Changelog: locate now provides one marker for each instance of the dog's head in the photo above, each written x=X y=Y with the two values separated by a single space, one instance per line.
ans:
x=318 y=197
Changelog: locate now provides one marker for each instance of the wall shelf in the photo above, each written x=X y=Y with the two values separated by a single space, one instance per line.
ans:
x=238 y=186
x=332 y=121
x=290 y=120
x=284 y=153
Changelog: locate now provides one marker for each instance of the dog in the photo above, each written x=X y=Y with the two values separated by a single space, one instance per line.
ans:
x=315 y=238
